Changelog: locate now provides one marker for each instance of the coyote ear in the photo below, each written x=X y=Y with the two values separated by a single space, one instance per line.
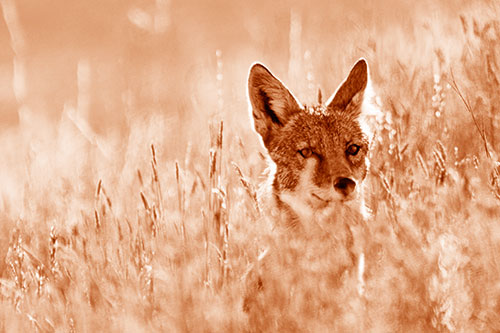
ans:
x=350 y=93
x=271 y=102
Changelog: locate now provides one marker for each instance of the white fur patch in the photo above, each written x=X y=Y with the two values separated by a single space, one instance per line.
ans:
x=298 y=199
x=314 y=204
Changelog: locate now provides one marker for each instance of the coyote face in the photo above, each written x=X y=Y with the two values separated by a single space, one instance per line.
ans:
x=319 y=153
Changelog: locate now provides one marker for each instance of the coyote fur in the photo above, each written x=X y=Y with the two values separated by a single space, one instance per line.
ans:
x=318 y=154
x=318 y=160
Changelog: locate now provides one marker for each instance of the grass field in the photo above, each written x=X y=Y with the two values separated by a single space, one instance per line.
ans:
x=129 y=168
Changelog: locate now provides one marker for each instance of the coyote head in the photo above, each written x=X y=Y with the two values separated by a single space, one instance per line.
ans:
x=319 y=152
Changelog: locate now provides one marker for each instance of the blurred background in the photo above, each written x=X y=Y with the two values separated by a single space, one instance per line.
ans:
x=110 y=144
x=110 y=61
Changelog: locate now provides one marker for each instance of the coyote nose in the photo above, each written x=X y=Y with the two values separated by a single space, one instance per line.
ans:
x=345 y=186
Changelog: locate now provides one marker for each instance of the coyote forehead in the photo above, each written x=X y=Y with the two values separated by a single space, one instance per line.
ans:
x=319 y=153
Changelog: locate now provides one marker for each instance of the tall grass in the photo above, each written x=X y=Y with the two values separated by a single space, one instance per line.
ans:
x=143 y=231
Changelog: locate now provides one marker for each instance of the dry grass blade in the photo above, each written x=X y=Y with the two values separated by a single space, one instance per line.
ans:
x=98 y=191
x=97 y=220
x=249 y=188
x=156 y=181
x=217 y=199
x=422 y=164
x=220 y=136
x=108 y=200
x=180 y=197
x=215 y=177
x=440 y=164
x=441 y=149
x=199 y=177
x=153 y=153
x=53 y=245
x=468 y=107
x=96 y=203
x=144 y=201
x=386 y=185
x=139 y=176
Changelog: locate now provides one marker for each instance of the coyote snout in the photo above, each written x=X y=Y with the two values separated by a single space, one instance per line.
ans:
x=345 y=186
x=318 y=154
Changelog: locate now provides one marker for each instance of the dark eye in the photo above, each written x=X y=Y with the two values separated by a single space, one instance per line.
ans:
x=352 y=150
x=306 y=152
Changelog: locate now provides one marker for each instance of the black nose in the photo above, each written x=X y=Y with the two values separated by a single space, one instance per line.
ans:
x=345 y=186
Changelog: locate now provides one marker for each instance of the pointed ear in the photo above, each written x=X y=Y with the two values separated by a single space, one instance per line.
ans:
x=350 y=93
x=271 y=102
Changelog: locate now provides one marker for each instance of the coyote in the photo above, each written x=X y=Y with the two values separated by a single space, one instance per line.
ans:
x=318 y=154
x=318 y=159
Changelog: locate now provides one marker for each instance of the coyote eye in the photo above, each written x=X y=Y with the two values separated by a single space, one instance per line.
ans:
x=352 y=150
x=306 y=152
